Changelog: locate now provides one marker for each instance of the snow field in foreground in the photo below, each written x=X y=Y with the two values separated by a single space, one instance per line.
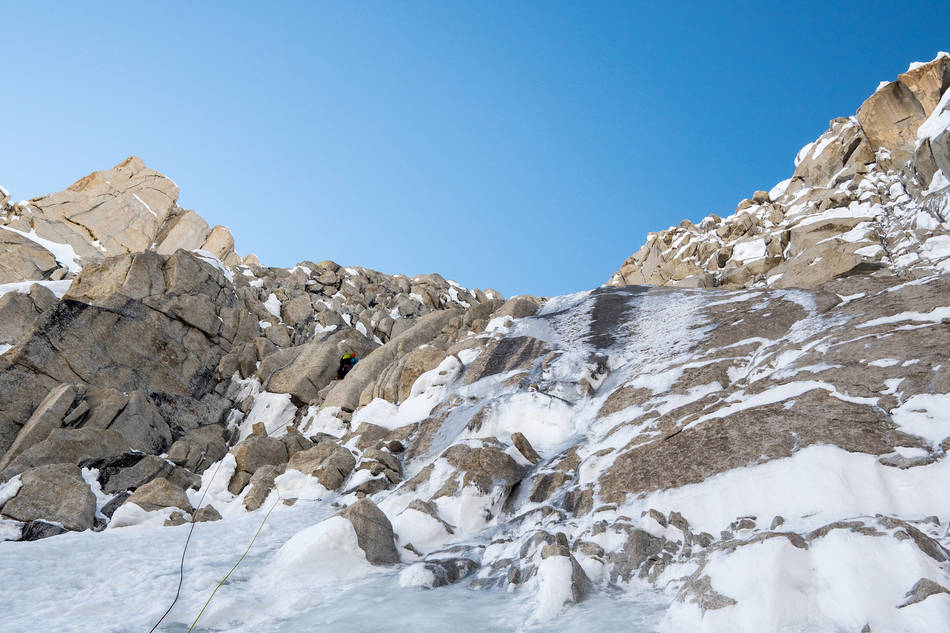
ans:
x=114 y=582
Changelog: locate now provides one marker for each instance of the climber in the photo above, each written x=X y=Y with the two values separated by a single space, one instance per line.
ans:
x=347 y=361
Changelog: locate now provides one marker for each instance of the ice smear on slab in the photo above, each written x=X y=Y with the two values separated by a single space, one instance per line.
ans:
x=274 y=410
x=815 y=486
x=426 y=392
x=934 y=316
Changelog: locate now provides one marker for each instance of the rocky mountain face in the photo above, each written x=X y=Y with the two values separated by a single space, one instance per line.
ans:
x=870 y=193
x=760 y=433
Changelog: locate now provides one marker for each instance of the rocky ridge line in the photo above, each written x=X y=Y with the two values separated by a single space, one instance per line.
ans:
x=872 y=193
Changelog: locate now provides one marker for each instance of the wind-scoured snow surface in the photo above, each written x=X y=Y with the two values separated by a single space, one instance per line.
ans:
x=306 y=572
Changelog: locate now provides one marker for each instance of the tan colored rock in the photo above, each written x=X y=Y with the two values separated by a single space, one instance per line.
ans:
x=256 y=451
x=890 y=118
x=121 y=208
x=22 y=259
x=55 y=492
x=186 y=230
x=374 y=532
x=207 y=513
x=303 y=371
x=220 y=243
x=160 y=493
x=327 y=461
x=70 y=446
x=928 y=82
x=262 y=482
x=841 y=151
x=48 y=416
x=19 y=311
x=346 y=393
x=518 y=307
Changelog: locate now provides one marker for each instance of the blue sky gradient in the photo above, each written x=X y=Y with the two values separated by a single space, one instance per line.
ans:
x=525 y=146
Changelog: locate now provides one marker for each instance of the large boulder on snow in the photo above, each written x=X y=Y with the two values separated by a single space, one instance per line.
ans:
x=374 y=532
x=160 y=493
x=55 y=492
x=328 y=462
x=252 y=453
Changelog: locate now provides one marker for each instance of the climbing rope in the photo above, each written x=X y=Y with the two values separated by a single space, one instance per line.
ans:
x=240 y=560
x=181 y=565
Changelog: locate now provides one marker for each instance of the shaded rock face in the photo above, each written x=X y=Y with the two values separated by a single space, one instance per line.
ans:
x=56 y=493
x=160 y=493
x=374 y=532
x=140 y=324
x=861 y=196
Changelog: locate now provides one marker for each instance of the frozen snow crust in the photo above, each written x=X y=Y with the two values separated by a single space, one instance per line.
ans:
x=742 y=455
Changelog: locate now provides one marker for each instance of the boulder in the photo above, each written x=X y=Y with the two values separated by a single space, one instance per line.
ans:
x=327 y=461
x=559 y=555
x=37 y=529
x=69 y=446
x=261 y=483
x=518 y=307
x=207 y=513
x=374 y=532
x=21 y=258
x=55 y=493
x=438 y=572
x=18 y=311
x=220 y=243
x=158 y=494
x=48 y=416
x=186 y=230
x=199 y=448
x=252 y=453
x=116 y=478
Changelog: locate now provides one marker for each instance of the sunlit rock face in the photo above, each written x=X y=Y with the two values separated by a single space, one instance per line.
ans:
x=870 y=193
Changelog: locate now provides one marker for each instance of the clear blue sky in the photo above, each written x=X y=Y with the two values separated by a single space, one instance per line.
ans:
x=525 y=146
